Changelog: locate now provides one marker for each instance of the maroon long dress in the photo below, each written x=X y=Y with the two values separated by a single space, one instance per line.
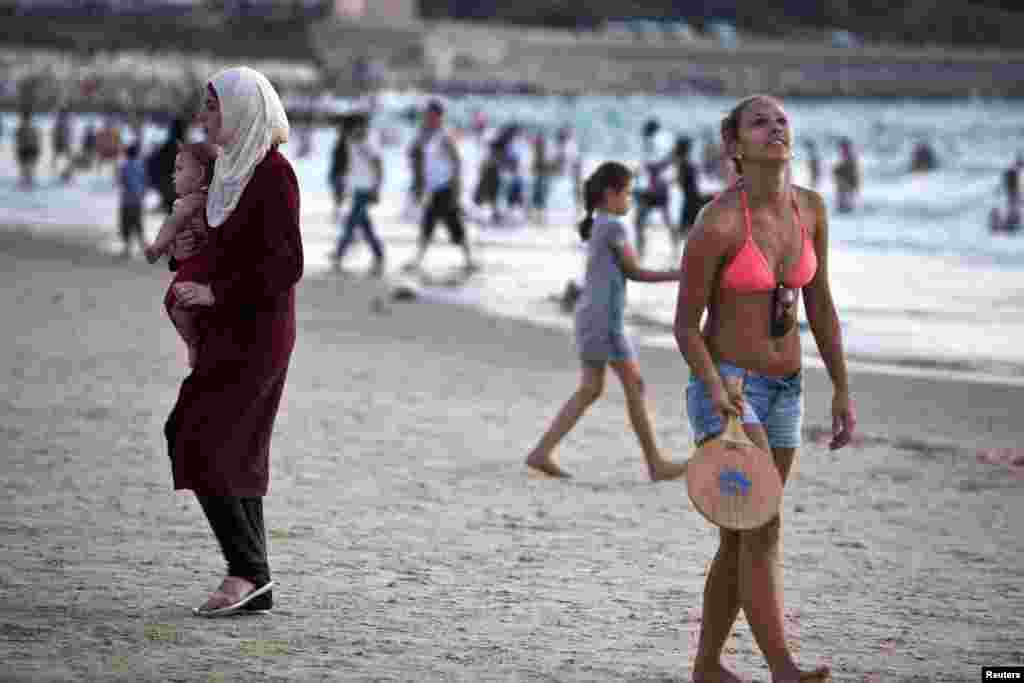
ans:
x=218 y=433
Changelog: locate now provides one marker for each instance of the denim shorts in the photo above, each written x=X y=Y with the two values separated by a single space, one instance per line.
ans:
x=775 y=403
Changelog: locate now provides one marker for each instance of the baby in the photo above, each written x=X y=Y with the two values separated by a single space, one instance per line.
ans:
x=193 y=171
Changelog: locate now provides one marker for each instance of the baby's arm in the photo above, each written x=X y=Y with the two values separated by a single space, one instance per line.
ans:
x=180 y=211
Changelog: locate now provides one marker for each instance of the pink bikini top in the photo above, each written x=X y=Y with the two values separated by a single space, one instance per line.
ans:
x=749 y=272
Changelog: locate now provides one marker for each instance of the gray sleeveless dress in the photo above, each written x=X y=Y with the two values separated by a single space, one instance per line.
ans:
x=600 y=310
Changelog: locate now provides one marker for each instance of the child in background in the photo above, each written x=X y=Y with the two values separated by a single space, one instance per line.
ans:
x=193 y=171
x=365 y=175
x=132 y=181
x=600 y=322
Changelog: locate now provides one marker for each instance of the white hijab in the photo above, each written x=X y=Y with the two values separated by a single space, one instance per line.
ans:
x=252 y=120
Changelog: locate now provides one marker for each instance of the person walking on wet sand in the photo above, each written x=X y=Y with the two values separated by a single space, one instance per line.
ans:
x=132 y=182
x=753 y=250
x=600 y=322
x=219 y=431
x=439 y=166
x=365 y=176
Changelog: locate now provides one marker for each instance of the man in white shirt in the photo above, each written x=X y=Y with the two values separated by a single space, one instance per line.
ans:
x=365 y=175
x=652 y=188
x=440 y=169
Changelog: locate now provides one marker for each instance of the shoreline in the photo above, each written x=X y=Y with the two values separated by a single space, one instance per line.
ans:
x=944 y=431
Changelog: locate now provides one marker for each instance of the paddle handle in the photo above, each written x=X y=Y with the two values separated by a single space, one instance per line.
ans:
x=734 y=431
x=733 y=426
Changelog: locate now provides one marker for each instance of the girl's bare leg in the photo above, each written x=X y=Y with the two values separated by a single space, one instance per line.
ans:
x=721 y=607
x=185 y=322
x=746 y=573
x=590 y=389
x=658 y=467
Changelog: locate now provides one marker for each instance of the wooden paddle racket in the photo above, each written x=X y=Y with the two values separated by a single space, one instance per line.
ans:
x=732 y=482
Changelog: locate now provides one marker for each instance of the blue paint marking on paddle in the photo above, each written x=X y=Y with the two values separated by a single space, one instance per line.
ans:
x=733 y=483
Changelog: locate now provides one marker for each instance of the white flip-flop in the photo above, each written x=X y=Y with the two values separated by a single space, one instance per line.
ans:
x=236 y=607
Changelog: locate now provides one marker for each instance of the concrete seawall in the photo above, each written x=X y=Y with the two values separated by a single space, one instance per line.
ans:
x=466 y=56
x=565 y=62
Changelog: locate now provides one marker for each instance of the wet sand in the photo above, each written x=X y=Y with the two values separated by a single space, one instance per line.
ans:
x=408 y=543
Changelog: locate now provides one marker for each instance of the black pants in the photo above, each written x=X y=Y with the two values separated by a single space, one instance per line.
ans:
x=443 y=205
x=238 y=525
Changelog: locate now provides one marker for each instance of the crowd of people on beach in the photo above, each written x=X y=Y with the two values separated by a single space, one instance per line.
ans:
x=233 y=239
x=749 y=254
x=508 y=181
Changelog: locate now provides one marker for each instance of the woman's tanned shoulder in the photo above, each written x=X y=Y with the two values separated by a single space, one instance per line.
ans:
x=722 y=217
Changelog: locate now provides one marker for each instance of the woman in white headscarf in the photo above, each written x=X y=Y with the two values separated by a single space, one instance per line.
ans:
x=218 y=433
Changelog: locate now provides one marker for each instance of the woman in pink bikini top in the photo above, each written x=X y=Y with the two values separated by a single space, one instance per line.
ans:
x=752 y=252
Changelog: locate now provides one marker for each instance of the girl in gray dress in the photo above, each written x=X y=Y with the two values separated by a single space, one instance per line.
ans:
x=600 y=322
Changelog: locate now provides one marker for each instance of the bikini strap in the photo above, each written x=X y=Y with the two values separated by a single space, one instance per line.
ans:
x=799 y=220
x=746 y=211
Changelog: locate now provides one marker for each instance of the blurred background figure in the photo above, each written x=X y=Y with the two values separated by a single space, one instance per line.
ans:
x=652 y=188
x=923 y=158
x=305 y=139
x=846 y=174
x=488 y=182
x=1009 y=220
x=27 y=148
x=813 y=163
x=61 y=140
x=87 y=150
x=441 y=185
x=516 y=158
x=712 y=163
x=109 y=144
x=542 y=168
x=413 y=208
x=688 y=179
x=568 y=162
x=365 y=175
x=338 y=170
x=132 y=182
x=160 y=165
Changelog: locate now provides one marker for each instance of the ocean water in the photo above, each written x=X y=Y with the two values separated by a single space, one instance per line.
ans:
x=920 y=284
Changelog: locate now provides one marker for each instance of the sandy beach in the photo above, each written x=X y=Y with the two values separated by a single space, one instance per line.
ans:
x=406 y=539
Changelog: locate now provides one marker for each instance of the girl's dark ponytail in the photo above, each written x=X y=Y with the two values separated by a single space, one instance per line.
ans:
x=611 y=175
x=587 y=223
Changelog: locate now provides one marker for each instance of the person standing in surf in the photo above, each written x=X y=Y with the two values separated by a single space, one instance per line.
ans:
x=600 y=323
x=754 y=249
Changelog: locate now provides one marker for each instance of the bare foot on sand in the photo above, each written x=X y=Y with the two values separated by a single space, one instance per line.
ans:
x=665 y=470
x=546 y=467
x=717 y=675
